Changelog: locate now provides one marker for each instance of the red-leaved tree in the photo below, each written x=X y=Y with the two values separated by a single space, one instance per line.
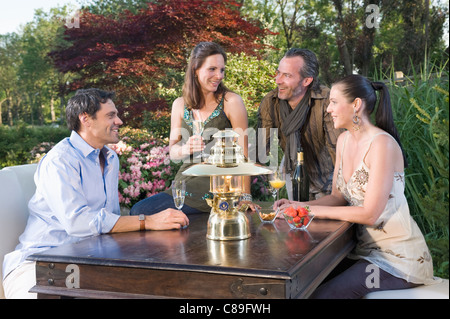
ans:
x=134 y=53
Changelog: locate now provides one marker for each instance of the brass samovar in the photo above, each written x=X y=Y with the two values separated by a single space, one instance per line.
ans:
x=226 y=167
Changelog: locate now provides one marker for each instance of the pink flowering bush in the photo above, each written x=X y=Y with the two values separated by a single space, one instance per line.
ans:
x=145 y=167
x=38 y=152
x=260 y=188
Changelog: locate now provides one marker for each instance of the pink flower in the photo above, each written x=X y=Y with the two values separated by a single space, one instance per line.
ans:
x=120 y=147
x=148 y=186
x=142 y=168
x=133 y=159
x=147 y=165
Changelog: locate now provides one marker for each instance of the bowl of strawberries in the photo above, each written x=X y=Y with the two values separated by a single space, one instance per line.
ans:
x=298 y=218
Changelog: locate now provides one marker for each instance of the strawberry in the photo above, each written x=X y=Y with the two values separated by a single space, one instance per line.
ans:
x=296 y=219
x=291 y=212
x=302 y=211
x=305 y=220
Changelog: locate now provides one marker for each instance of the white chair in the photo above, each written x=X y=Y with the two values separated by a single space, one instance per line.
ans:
x=436 y=291
x=16 y=188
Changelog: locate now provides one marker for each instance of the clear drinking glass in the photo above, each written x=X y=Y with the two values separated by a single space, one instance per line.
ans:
x=273 y=191
x=178 y=193
x=267 y=213
x=277 y=180
x=197 y=127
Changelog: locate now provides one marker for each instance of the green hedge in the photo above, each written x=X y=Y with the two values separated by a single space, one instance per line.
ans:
x=20 y=144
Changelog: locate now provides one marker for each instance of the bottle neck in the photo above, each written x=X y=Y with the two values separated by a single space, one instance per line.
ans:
x=300 y=157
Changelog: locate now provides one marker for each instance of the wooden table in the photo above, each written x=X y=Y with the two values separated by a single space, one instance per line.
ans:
x=275 y=262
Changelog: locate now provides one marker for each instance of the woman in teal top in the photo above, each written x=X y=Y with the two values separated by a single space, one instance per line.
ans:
x=211 y=102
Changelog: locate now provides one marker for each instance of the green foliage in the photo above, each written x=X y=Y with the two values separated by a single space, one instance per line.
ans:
x=158 y=123
x=421 y=112
x=252 y=79
x=27 y=75
x=114 y=7
x=337 y=32
x=17 y=143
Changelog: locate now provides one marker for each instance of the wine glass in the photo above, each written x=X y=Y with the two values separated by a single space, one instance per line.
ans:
x=197 y=127
x=178 y=193
x=277 y=180
x=273 y=191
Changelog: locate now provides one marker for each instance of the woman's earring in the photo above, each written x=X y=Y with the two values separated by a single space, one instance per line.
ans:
x=356 y=122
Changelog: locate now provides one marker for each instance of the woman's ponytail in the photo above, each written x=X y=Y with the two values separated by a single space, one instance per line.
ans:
x=384 y=118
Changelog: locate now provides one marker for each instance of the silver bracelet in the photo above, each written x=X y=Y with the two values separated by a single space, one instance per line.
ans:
x=246 y=197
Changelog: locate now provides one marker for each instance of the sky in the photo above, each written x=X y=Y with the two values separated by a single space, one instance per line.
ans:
x=14 y=13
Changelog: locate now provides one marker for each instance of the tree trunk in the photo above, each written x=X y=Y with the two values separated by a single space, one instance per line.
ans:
x=345 y=56
x=52 y=109
x=30 y=105
x=340 y=40
x=426 y=23
x=368 y=39
x=10 y=116
x=1 y=121
x=63 y=110
x=288 y=26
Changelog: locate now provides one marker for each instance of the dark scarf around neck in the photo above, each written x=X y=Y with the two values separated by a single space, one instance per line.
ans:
x=292 y=123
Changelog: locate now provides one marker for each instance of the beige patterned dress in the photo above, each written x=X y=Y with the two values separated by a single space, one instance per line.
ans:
x=395 y=242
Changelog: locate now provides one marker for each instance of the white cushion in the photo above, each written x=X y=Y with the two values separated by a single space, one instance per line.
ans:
x=436 y=291
x=25 y=175
x=17 y=187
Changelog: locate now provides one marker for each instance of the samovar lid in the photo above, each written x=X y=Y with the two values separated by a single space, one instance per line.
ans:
x=244 y=169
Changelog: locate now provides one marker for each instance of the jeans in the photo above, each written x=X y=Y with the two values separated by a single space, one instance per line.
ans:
x=352 y=282
x=158 y=203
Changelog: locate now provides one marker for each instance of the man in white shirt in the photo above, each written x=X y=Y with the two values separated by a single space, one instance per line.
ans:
x=77 y=191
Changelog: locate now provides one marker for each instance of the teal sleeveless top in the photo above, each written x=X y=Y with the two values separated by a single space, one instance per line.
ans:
x=196 y=186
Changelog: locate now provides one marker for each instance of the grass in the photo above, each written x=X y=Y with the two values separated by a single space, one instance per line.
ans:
x=421 y=110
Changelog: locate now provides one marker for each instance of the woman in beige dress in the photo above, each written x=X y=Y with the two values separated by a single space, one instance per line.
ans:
x=368 y=190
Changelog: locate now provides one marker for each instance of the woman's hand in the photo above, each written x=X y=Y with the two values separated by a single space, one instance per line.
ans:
x=282 y=204
x=245 y=205
x=194 y=144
